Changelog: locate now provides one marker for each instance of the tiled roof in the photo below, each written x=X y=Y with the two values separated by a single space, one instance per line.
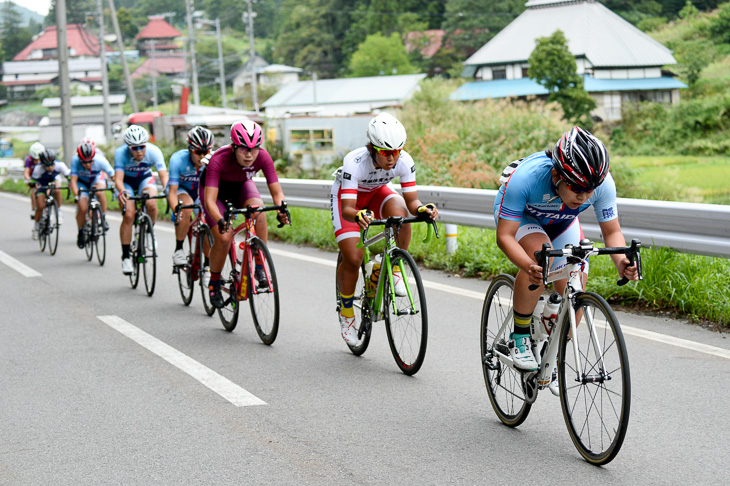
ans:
x=77 y=38
x=158 y=28
x=162 y=64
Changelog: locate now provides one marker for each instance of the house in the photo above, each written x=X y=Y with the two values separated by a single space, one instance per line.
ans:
x=161 y=34
x=242 y=77
x=619 y=63
x=80 y=43
x=87 y=115
x=322 y=120
x=171 y=65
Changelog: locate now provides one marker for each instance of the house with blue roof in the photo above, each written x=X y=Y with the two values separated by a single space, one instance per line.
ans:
x=619 y=63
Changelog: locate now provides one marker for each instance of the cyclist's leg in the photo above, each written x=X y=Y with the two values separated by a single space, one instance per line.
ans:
x=82 y=207
x=182 y=226
x=40 y=203
x=148 y=186
x=387 y=202
x=218 y=254
x=100 y=182
x=250 y=196
x=125 y=229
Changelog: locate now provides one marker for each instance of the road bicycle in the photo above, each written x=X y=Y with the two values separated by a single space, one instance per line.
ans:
x=143 y=249
x=592 y=361
x=193 y=246
x=406 y=317
x=49 y=225
x=94 y=231
x=238 y=277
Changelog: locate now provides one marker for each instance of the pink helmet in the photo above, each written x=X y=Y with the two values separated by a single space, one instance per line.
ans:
x=246 y=133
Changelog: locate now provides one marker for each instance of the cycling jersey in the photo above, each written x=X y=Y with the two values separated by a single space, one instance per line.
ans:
x=359 y=173
x=45 y=177
x=91 y=175
x=223 y=168
x=30 y=162
x=134 y=170
x=183 y=173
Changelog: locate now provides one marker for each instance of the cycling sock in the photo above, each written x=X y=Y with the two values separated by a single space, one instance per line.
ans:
x=125 y=252
x=179 y=244
x=206 y=262
x=215 y=278
x=522 y=323
x=347 y=309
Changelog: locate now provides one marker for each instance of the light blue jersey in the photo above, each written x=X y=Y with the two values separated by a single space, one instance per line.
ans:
x=136 y=171
x=183 y=173
x=90 y=176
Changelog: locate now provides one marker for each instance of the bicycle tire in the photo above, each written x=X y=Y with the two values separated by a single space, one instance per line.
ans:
x=360 y=302
x=88 y=231
x=263 y=299
x=230 y=280
x=203 y=234
x=149 y=254
x=504 y=384
x=184 y=277
x=406 y=323
x=99 y=236
x=596 y=410
x=134 y=253
x=53 y=227
x=42 y=225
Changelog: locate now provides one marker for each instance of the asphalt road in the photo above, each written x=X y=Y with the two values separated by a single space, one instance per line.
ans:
x=144 y=397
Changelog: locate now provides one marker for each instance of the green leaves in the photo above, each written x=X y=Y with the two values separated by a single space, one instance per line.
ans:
x=379 y=56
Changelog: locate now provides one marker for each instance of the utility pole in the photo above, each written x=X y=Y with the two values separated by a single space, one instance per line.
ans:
x=152 y=42
x=104 y=74
x=191 y=41
x=248 y=17
x=63 y=82
x=120 y=45
x=221 y=70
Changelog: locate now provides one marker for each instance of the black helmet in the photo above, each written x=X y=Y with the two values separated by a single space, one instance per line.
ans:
x=86 y=151
x=581 y=160
x=48 y=158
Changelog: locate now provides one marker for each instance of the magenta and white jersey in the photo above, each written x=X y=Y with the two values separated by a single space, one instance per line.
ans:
x=359 y=173
x=223 y=168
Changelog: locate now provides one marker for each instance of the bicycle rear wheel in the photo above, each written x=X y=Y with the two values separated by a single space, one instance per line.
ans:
x=184 y=277
x=42 y=229
x=89 y=242
x=504 y=384
x=263 y=297
x=230 y=276
x=99 y=235
x=595 y=393
x=149 y=256
x=53 y=228
x=406 y=319
x=361 y=303
x=203 y=236
x=135 y=254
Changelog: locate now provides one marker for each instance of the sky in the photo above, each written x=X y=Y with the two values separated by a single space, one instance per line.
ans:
x=40 y=6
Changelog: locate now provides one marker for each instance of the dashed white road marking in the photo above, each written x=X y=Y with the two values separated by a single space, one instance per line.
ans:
x=18 y=266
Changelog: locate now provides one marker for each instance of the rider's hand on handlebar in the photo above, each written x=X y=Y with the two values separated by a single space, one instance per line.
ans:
x=123 y=198
x=535 y=274
x=222 y=225
x=429 y=208
x=363 y=218
x=628 y=270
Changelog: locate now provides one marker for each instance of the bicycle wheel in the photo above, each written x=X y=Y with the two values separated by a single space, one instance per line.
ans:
x=406 y=319
x=99 y=235
x=42 y=229
x=149 y=256
x=89 y=243
x=362 y=303
x=184 y=277
x=504 y=384
x=53 y=228
x=263 y=297
x=230 y=280
x=135 y=254
x=203 y=235
x=595 y=386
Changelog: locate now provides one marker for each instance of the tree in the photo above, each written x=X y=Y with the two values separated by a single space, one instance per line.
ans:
x=553 y=66
x=76 y=11
x=14 y=36
x=380 y=55
x=720 y=25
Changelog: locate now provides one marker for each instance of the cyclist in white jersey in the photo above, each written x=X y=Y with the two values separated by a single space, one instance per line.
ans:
x=362 y=191
x=540 y=203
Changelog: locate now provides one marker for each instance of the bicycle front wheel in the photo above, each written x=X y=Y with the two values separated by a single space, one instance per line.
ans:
x=149 y=256
x=504 y=384
x=184 y=277
x=595 y=386
x=88 y=231
x=263 y=296
x=406 y=317
x=362 y=303
x=99 y=236
x=230 y=281
x=203 y=236
x=135 y=253
x=43 y=229
x=53 y=228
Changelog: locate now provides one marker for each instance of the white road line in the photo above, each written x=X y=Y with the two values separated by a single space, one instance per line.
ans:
x=219 y=384
x=18 y=266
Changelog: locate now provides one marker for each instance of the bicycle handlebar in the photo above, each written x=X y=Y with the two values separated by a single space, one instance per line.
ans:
x=249 y=211
x=585 y=249
x=180 y=206
x=398 y=221
x=60 y=188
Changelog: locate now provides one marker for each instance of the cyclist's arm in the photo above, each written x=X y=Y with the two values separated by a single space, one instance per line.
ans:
x=73 y=182
x=614 y=237
x=26 y=173
x=172 y=197
x=211 y=203
x=507 y=242
x=277 y=194
x=163 y=178
x=413 y=203
x=119 y=185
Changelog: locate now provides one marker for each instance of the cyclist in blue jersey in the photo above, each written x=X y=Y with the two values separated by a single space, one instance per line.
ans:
x=540 y=203
x=88 y=167
x=185 y=168
x=133 y=163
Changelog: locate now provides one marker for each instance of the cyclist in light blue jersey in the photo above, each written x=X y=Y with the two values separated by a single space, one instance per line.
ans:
x=185 y=168
x=88 y=167
x=133 y=163
x=540 y=203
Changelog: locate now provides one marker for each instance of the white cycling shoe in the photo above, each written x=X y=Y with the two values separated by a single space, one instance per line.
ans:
x=349 y=331
x=127 y=267
x=520 y=350
x=400 y=287
x=179 y=258
x=553 y=386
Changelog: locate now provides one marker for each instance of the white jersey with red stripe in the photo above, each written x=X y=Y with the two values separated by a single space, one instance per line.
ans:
x=359 y=173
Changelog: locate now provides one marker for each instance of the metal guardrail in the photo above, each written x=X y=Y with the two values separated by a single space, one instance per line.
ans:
x=701 y=229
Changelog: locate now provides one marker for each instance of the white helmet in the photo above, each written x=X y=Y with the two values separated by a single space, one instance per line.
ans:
x=35 y=150
x=136 y=135
x=385 y=131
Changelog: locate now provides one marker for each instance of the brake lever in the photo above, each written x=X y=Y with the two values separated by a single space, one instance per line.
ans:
x=541 y=257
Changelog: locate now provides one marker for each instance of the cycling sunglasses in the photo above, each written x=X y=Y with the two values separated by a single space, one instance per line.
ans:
x=245 y=148
x=578 y=190
x=201 y=152
x=387 y=152
x=137 y=148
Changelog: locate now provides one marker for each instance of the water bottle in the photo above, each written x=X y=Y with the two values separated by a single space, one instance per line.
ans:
x=372 y=274
x=550 y=314
x=535 y=323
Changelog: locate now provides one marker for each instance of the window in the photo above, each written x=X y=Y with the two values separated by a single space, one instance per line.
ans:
x=524 y=72
x=499 y=74
x=318 y=140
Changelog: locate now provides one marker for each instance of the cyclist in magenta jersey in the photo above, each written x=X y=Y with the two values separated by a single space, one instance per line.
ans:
x=133 y=164
x=185 y=168
x=228 y=177
x=361 y=192
x=539 y=203
x=88 y=167
x=34 y=154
